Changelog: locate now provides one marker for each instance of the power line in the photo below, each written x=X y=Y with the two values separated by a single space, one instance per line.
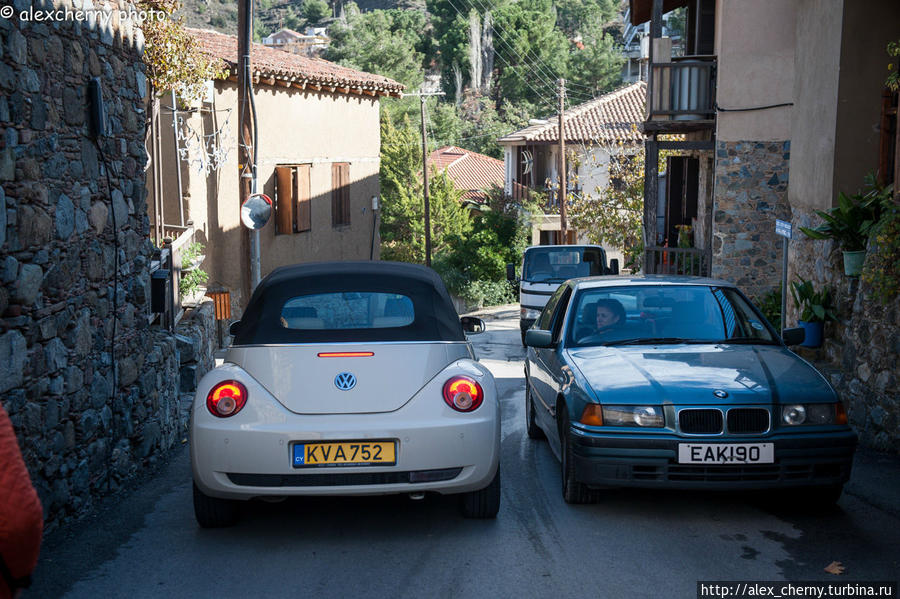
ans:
x=500 y=56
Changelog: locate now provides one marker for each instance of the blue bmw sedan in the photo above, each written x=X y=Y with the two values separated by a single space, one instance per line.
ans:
x=679 y=382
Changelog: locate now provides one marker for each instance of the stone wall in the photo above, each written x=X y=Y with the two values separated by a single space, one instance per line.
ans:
x=88 y=414
x=860 y=353
x=751 y=181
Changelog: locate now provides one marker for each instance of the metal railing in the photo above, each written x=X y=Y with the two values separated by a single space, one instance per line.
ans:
x=676 y=261
x=169 y=258
x=683 y=90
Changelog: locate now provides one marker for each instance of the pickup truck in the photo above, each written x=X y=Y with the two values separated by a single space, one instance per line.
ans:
x=545 y=267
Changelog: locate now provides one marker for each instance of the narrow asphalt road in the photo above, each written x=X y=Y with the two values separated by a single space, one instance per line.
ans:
x=145 y=543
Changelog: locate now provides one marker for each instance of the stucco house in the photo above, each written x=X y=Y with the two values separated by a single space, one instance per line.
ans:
x=471 y=172
x=594 y=131
x=318 y=159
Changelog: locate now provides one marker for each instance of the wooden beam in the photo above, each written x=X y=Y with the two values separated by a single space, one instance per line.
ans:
x=651 y=194
x=686 y=145
x=283 y=83
x=267 y=81
x=342 y=90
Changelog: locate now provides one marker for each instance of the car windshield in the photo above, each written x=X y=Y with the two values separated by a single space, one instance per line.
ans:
x=347 y=310
x=560 y=264
x=656 y=314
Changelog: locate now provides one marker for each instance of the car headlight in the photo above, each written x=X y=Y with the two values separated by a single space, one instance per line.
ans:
x=529 y=314
x=647 y=416
x=813 y=413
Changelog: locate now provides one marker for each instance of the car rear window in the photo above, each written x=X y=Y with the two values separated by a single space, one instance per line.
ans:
x=347 y=310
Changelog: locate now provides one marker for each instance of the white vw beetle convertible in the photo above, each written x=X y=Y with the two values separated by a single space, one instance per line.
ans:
x=347 y=378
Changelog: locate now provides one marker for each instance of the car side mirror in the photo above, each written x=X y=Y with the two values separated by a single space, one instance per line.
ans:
x=794 y=336
x=538 y=338
x=614 y=266
x=472 y=324
x=234 y=328
x=511 y=273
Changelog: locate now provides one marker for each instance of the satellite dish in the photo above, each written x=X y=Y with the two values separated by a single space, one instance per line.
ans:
x=528 y=161
x=256 y=211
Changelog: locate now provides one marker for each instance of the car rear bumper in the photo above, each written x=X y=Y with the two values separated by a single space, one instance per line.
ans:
x=820 y=459
x=437 y=449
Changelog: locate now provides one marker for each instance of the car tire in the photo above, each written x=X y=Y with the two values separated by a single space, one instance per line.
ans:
x=531 y=427
x=574 y=491
x=213 y=512
x=484 y=503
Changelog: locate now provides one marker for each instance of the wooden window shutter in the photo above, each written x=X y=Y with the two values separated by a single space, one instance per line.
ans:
x=340 y=194
x=301 y=195
x=284 y=200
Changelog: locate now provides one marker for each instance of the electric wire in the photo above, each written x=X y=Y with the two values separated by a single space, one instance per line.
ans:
x=538 y=94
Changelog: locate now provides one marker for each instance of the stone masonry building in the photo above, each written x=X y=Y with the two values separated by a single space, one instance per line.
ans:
x=91 y=387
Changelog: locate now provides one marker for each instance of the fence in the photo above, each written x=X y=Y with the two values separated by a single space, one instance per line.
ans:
x=676 y=261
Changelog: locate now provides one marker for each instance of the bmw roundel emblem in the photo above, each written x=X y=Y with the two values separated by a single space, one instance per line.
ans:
x=720 y=393
x=345 y=381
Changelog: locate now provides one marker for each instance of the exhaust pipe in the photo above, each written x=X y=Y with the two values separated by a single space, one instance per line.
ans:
x=417 y=496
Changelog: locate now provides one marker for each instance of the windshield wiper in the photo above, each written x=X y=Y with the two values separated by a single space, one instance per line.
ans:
x=655 y=340
x=747 y=341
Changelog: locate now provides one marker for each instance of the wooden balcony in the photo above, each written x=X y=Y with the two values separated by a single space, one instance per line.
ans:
x=681 y=95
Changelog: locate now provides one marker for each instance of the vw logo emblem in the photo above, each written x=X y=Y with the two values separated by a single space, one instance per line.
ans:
x=720 y=394
x=345 y=381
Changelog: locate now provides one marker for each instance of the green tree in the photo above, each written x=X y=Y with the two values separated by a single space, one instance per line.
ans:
x=171 y=55
x=532 y=52
x=386 y=42
x=573 y=14
x=598 y=65
x=614 y=216
x=315 y=11
x=403 y=203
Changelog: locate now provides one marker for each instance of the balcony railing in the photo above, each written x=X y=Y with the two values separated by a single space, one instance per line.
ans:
x=683 y=90
x=676 y=261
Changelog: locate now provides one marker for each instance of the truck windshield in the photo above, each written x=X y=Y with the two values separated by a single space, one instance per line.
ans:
x=561 y=263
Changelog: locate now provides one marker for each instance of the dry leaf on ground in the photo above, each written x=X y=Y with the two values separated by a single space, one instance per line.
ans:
x=835 y=568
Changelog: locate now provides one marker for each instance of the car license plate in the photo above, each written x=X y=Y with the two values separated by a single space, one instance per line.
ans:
x=345 y=453
x=726 y=453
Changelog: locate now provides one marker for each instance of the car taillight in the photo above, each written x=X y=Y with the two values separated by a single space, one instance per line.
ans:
x=226 y=399
x=463 y=394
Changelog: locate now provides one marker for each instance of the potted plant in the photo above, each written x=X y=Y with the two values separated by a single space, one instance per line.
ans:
x=850 y=223
x=815 y=309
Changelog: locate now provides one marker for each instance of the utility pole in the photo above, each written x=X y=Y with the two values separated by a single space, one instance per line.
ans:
x=246 y=150
x=423 y=96
x=563 y=223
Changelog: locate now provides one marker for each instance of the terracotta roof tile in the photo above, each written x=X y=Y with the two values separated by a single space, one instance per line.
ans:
x=270 y=63
x=470 y=171
x=611 y=118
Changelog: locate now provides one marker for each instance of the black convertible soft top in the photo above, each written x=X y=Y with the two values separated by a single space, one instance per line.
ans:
x=435 y=317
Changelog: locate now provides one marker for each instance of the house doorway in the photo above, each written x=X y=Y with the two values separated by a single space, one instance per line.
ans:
x=680 y=205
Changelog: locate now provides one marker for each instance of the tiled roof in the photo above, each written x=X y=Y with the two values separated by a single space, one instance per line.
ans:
x=470 y=171
x=271 y=65
x=611 y=118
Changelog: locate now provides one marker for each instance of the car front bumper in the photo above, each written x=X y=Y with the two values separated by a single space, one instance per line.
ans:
x=437 y=449
x=801 y=460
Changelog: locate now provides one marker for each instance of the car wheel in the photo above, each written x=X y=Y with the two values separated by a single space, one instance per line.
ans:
x=573 y=490
x=531 y=427
x=213 y=512
x=484 y=503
